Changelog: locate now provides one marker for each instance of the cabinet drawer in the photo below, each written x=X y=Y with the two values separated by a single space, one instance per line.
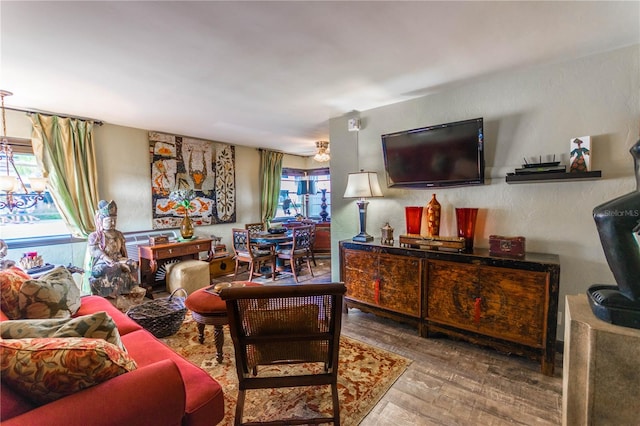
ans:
x=500 y=302
x=177 y=251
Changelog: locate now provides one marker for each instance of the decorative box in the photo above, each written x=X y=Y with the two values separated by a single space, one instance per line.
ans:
x=506 y=246
x=158 y=239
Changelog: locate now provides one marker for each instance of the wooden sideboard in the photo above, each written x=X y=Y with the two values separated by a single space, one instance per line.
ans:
x=509 y=304
x=323 y=238
x=152 y=258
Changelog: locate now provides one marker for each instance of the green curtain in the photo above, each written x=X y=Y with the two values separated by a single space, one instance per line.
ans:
x=65 y=151
x=270 y=175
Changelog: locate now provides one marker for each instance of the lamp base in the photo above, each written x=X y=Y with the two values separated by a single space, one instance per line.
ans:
x=363 y=237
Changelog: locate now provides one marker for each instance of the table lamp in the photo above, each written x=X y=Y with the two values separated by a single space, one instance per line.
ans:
x=362 y=185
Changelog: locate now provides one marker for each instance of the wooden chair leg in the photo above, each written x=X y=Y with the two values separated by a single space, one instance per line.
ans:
x=201 y=332
x=218 y=338
x=235 y=273
x=309 y=266
x=293 y=269
x=273 y=269
x=239 y=408
x=336 y=404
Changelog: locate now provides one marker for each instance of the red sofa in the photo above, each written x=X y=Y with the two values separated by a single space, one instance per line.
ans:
x=165 y=389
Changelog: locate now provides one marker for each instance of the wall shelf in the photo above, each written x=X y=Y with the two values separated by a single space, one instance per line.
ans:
x=553 y=177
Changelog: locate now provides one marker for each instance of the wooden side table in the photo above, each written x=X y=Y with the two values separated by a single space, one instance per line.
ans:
x=153 y=257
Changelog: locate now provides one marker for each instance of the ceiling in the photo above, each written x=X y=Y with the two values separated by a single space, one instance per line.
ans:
x=271 y=74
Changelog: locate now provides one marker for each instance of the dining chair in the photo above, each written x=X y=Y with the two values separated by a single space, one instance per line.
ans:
x=297 y=327
x=255 y=228
x=298 y=251
x=246 y=252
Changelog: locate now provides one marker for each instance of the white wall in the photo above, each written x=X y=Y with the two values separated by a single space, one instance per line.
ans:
x=526 y=113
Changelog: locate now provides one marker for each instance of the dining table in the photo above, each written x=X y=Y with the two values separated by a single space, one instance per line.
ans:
x=277 y=240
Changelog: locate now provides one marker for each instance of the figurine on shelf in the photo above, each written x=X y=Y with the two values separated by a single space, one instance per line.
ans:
x=112 y=272
x=618 y=224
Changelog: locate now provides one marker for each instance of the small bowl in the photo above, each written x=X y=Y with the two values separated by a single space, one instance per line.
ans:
x=281 y=230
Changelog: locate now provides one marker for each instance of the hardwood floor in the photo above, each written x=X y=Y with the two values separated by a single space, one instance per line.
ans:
x=456 y=383
x=451 y=382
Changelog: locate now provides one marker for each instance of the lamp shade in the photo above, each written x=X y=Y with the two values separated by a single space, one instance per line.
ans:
x=362 y=185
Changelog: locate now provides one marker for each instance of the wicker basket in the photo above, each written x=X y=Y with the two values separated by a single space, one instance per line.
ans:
x=162 y=317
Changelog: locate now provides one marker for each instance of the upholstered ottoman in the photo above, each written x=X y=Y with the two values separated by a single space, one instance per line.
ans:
x=188 y=274
x=208 y=309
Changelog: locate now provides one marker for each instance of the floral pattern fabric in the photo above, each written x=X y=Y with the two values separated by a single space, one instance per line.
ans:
x=47 y=369
x=99 y=325
x=53 y=295
x=11 y=280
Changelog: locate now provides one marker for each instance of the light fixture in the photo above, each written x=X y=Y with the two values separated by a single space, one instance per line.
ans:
x=362 y=185
x=12 y=184
x=323 y=152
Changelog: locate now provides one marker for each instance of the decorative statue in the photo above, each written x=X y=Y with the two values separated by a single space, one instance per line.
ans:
x=618 y=223
x=112 y=272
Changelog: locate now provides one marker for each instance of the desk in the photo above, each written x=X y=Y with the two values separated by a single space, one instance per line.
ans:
x=152 y=258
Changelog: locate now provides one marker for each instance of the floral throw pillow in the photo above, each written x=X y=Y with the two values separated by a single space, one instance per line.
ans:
x=11 y=280
x=98 y=325
x=53 y=295
x=44 y=370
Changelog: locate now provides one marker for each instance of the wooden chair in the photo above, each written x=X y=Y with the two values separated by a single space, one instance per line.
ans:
x=245 y=252
x=286 y=324
x=299 y=250
x=254 y=228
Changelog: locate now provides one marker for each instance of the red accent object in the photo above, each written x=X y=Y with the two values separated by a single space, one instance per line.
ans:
x=476 y=306
x=466 y=221
x=376 y=287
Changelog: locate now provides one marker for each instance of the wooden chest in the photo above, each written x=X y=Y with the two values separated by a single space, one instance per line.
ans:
x=219 y=266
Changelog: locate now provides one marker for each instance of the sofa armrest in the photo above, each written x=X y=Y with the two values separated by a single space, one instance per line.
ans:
x=153 y=395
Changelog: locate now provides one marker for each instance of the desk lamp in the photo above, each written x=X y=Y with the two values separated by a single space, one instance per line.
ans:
x=362 y=185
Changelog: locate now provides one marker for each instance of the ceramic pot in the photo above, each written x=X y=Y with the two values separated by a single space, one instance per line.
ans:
x=433 y=217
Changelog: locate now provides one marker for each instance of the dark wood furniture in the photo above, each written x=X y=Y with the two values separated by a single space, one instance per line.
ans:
x=510 y=304
x=298 y=251
x=286 y=324
x=251 y=254
x=323 y=238
x=154 y=257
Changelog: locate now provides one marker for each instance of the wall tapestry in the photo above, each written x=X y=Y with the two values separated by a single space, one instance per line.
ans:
x=206 y=167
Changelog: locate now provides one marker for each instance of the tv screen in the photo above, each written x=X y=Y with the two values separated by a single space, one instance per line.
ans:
x=450 y=154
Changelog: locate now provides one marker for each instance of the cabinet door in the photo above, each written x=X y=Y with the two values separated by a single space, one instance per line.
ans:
x=388 y=281
x=399 y=285
x=450 y=287
x=360 y=269
x=499 y=302
x=513 y=304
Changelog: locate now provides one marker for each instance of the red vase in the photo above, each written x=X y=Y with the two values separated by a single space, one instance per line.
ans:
x=413 y=216
x=466 y=221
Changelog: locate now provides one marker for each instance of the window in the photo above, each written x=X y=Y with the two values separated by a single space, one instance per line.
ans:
x=301 y=192
x=41 y=220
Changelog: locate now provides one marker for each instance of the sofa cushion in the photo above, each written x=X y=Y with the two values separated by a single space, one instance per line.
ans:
x=11 y=280
x=53 y=295
x=91 y=304
x=44 y=370
x=97 y=326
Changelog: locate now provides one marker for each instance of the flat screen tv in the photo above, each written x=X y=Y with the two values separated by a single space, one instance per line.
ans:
x=450 y=154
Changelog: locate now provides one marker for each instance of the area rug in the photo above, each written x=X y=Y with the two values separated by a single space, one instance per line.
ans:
x=364 y=376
